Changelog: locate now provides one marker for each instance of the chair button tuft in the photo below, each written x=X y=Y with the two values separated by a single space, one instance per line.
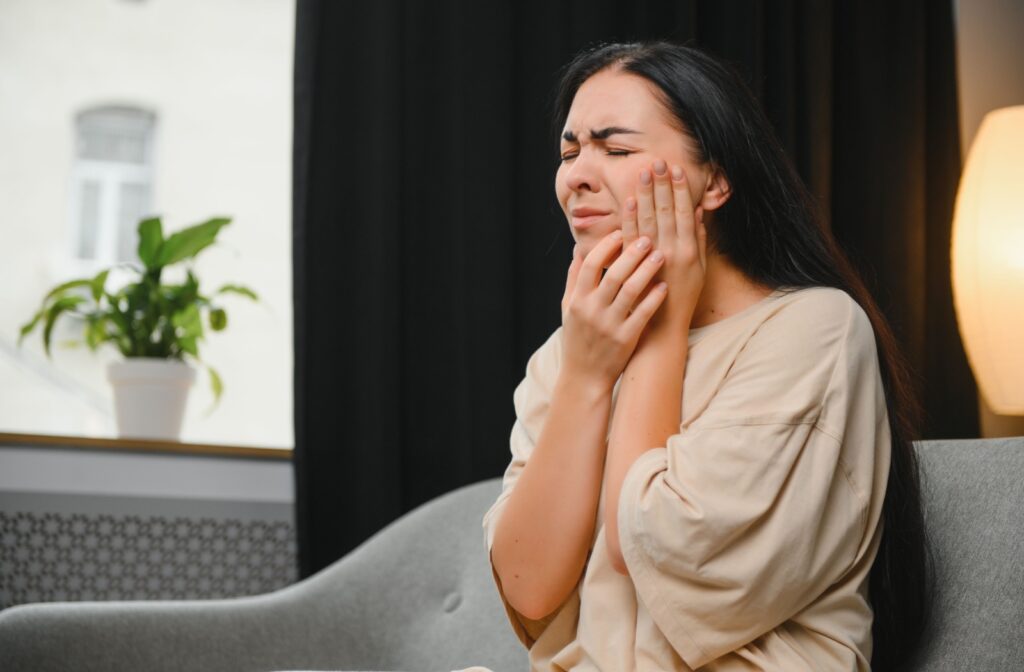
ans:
x=452 y=602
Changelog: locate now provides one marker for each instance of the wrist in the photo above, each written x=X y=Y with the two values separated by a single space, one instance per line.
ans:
x=665 y=342
x=589 y=389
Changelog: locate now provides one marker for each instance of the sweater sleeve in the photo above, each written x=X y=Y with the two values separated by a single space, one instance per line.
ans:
x=749 y=514
x=532 y=399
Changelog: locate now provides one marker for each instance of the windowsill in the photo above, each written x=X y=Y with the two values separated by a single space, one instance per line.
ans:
x=8 y=439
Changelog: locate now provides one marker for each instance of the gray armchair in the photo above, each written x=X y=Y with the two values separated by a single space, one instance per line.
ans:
x=419 y=595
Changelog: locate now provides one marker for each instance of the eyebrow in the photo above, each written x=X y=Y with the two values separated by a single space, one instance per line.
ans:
x=602 y=133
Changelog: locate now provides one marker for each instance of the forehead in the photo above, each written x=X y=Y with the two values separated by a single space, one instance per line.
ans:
x=616 y=98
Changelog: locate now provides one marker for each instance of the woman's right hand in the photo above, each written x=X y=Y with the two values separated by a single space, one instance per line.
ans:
x=603 y=317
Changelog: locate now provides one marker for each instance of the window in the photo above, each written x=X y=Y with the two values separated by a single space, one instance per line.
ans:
x=112 y=182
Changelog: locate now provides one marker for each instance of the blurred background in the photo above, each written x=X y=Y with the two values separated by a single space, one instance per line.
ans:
x=114 y=110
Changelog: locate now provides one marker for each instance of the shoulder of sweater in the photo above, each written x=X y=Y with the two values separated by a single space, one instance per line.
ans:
x=831 y=309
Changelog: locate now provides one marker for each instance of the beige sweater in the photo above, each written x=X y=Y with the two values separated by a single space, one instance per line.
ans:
x=749 y=536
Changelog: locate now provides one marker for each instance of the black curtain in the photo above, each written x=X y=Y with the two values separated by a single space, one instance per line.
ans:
x=429 y=253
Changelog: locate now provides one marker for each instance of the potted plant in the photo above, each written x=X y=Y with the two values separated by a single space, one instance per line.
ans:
x=156 y=327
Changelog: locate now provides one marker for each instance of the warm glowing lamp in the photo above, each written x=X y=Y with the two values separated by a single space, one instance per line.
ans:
x=988 y=259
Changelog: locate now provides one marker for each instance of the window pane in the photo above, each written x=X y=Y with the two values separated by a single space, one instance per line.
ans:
x=134 y=204
x=117 y=134
x=88 y=219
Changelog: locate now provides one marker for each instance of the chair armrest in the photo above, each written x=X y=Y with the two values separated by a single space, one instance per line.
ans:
x=279 y=630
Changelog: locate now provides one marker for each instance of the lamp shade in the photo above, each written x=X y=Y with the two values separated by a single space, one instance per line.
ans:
x=988 y=259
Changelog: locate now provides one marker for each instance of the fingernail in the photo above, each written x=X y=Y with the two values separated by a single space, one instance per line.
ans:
x=660 y=167
x=616 y=234
x=643 y=243
x=645 y=177
x=631 y=204
x=656 y=256
x=677 y=173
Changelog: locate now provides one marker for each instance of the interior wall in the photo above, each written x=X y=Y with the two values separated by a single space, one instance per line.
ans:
x=990 y=60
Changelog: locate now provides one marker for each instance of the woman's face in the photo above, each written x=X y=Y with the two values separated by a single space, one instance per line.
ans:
x=616 y=127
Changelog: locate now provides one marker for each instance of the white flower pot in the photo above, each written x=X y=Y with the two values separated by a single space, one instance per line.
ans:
x=149 y=396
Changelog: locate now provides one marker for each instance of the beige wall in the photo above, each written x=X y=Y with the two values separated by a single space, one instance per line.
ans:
x=990 y=55
x=218 y=76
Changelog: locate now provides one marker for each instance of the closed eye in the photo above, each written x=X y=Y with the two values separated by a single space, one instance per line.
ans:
x=610 y=152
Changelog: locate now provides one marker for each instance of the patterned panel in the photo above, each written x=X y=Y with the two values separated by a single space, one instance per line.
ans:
x=59 y=556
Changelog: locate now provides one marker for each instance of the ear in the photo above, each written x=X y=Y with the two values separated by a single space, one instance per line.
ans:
x=717 y=190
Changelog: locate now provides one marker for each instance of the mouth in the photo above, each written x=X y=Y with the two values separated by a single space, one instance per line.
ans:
x=584 y=218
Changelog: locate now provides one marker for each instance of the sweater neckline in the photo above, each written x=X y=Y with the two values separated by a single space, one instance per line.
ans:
x=698 y=333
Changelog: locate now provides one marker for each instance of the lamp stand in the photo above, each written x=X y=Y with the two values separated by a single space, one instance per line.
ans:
x=995 y=425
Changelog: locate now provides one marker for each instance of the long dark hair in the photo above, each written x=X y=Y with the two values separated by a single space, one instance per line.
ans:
x=771 y=229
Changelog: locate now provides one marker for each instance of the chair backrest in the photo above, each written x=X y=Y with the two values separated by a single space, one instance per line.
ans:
x=973 y=493
x=421 y=604
x=419 y=593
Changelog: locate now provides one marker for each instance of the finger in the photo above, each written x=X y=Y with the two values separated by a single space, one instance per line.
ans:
x=683 y=215
x=647 y=224
x=574 y=271
x=637 y=284
x=622 y=269
x=663 y=203
x=629 y=229
x=702 y=237
x=644 y=311
x=597 y=260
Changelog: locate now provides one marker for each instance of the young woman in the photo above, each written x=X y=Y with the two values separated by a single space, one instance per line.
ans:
x=711 y=464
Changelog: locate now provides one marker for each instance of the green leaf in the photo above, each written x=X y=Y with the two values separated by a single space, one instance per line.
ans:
x=124 y=345
x=189 y=321
x=71 y=284
x=218 y=319
x=217 y=385
x=116 y=316
x=188 y=344
x=238 y=289
x=59 y=306
x=96 y=331
x=30 y=325
x=151 y=237
x=189 y=291
x=189 y=242
x=97 y=284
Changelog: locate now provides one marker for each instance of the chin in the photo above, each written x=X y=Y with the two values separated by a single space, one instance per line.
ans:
x=588 y=240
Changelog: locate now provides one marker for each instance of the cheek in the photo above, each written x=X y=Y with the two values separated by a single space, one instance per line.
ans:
x=624 y=177
x=561 y=190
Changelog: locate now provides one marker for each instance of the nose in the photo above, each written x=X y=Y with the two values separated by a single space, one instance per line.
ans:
x=582 y=174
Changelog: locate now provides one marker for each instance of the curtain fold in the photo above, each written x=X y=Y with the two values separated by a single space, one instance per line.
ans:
x=429 y=253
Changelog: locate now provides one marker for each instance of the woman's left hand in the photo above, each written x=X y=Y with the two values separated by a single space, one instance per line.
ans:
x=664 y=211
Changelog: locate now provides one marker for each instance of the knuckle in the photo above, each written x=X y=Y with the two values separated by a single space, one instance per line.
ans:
x=615 y=275
x=620 y=338
x=638 y=247
x=630 y=292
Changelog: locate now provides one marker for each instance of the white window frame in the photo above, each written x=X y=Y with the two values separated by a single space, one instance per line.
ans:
x=111 y=176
